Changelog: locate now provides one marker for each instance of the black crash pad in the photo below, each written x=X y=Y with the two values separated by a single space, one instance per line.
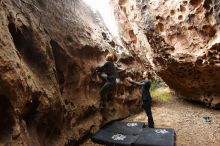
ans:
x=128 y=128
x=156 y=137
x=113 y=139
x=121 y=133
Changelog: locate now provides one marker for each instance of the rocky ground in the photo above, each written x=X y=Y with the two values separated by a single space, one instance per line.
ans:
x=188 y=121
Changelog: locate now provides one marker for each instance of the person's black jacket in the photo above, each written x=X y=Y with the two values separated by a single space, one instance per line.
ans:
x=145 y=88
x=109 y=69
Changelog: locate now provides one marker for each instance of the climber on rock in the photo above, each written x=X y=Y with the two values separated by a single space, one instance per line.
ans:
x=146 y=97
x=109 y=74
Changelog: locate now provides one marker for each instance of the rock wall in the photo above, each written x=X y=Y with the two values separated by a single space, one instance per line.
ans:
x=132 y=35
x=49 y=92
x=182 y=43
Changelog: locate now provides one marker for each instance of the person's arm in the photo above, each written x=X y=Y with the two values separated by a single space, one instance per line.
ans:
x=140 y=83
x=130 y=80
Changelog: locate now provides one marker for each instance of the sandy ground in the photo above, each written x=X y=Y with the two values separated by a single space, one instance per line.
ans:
x=187 y=119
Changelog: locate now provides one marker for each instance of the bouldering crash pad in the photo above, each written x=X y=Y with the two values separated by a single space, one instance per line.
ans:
x=121 y=133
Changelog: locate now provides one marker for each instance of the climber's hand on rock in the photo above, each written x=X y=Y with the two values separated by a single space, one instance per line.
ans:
x=97 y=69
x=117 y=80
x=129 y=79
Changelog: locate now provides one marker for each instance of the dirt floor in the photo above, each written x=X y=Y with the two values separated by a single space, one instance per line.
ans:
x=187 y=119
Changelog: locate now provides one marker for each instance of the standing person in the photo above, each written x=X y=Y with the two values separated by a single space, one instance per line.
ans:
x=109 y=74
x=146 y=97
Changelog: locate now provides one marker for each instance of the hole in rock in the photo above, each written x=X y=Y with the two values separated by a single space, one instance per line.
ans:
x=42 y=3
x=104 y=35
x=66 y=68
x=160 y=27
x=199 y=61
x=66 y=102
x=182 y=8
x=209 y=30
x=127 y=60
x=144 y=7
x=79 y=142
x=69 y=38
x=30 y=108
x=157 y=17
x=214 y=86
x=90 y=52
x=209 y=14
x=212 y=63
x=195 y=3
x=172 y=12
x=132 y=36
x=71 y=143
x=216 y=7
x=50 y=123
x=112 y=43
x=18 y=37
x=27 y=48
x=185 y=2
x=180 y=17
x=61 y=79
x=58 y=56
x=207 y=4
x=6 y=121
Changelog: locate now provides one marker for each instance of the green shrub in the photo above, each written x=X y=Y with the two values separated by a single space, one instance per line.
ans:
x=161 y=94
x=159 y=91
x=155 y=85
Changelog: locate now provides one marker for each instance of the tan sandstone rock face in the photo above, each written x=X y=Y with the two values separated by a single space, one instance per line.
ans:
x=132 y=36
x=49 y=92
x=182 y=43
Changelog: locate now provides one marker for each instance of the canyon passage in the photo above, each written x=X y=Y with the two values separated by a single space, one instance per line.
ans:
x=50 y=51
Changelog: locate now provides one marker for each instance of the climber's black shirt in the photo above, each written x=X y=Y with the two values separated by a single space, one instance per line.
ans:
x=110 y=69
x=145 y=92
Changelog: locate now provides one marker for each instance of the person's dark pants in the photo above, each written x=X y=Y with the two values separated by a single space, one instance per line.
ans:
x=106 y=88
x=147 y=108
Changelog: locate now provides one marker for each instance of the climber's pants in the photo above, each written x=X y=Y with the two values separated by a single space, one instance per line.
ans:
x=106 y=88
x=147 y=108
